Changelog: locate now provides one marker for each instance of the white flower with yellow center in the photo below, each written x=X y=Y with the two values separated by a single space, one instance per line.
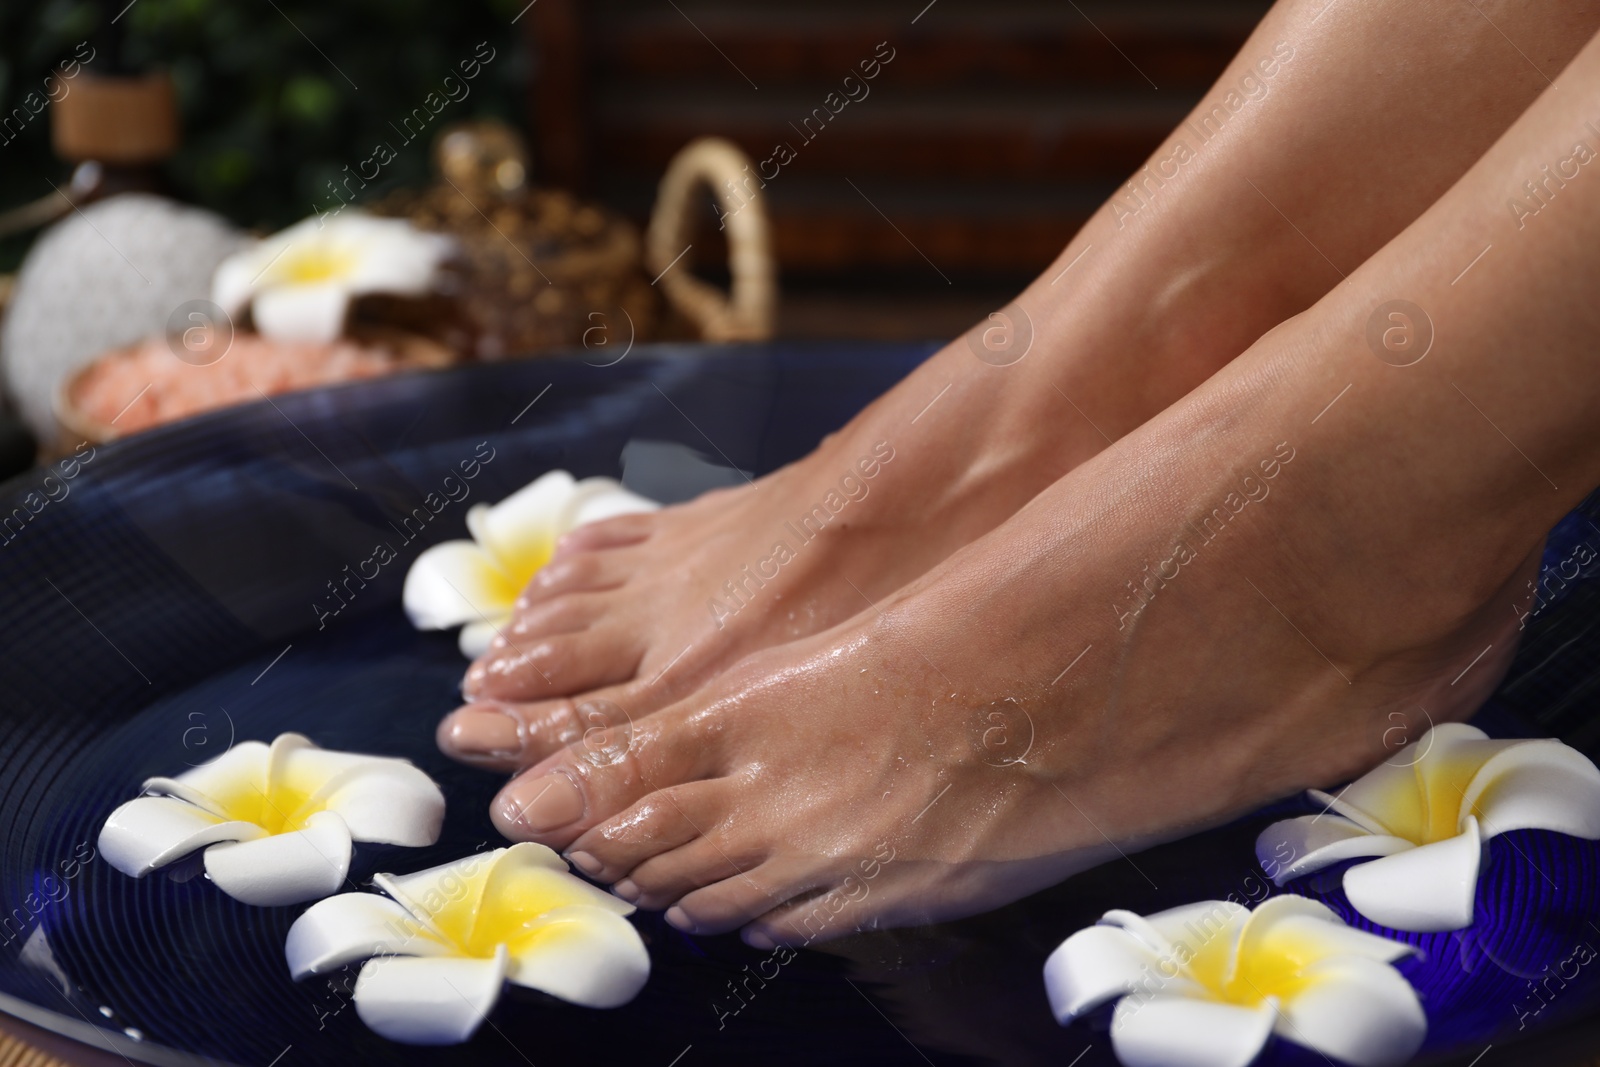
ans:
x=276 y=821
x=477 y=582
x=299 y=282
x=1427 y=820
x=439 y=953
x=1207 y=984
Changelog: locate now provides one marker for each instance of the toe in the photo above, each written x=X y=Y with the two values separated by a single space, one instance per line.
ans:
x=576 y=572
x=667 y=878
x=608 y=533
x=557 y=615
x=660 y=823
x=612 y=769
x=555 y=665
x=812 y=917
x=507 y=735
x=733 y=902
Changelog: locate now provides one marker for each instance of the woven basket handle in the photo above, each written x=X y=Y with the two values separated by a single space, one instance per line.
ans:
x=747 y=313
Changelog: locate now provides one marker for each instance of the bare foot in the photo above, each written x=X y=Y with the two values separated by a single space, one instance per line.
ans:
x=635 y=611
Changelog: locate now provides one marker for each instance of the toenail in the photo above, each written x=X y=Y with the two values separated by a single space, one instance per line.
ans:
x=585 y=862
x=679 y=918
x=483 y=730
x=626 y=890
x=757 y=939
x=542 y=805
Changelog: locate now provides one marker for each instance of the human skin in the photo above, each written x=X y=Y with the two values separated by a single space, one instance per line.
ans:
x=1369 y=112
x=1373 y=582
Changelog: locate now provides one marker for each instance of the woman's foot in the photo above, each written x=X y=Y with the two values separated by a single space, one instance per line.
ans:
x=637 y=611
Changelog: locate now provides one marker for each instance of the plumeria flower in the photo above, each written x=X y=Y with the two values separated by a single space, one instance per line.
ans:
x=299 y=282
x=1427 y=821
x=441 y=950
x=477 y=582
x=1207 y=984
x=276 y=821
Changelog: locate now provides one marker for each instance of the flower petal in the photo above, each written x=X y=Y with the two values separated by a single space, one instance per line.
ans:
x=429 y=1001
x=596 y=499
x=1424 y=889
x=520 y=532
x=284 y=868
x=527 y=881
x=381 y=798
x=355 y=926
x=392 y=803
x=150 y=832
x=1299 y=928
x=1542 y=785
x=1093 y=966
x=1358 y=1011
x=1294 y=847
x=218 y=783
x=392 y=256
x=1201 y=921
x=456 y=582
x=475 y=636
x=584 y=955
x=504 y=890
x=1179 y=1031
x=1203 y=935
x=301 y=312
x=234 y=279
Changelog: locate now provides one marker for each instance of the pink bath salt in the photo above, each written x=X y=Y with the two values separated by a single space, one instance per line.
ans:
x=136 y=388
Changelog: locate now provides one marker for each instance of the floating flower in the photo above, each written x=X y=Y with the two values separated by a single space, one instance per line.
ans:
x=1427 y=821
x=439 y=952
x=276 y=821
x=477 y=582
x=1207 y=984
x=299 y=282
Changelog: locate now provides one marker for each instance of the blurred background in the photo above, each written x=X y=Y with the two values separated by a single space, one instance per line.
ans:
x=919 y=162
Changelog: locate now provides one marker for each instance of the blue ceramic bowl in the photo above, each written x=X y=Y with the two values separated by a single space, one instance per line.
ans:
x=172 y=596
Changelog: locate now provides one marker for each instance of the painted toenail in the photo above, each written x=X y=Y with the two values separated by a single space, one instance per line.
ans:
x=627 y=890
x=483 y=731
x=679 y=918
x=542 y=805
x=758 y=940
x=586 y=863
